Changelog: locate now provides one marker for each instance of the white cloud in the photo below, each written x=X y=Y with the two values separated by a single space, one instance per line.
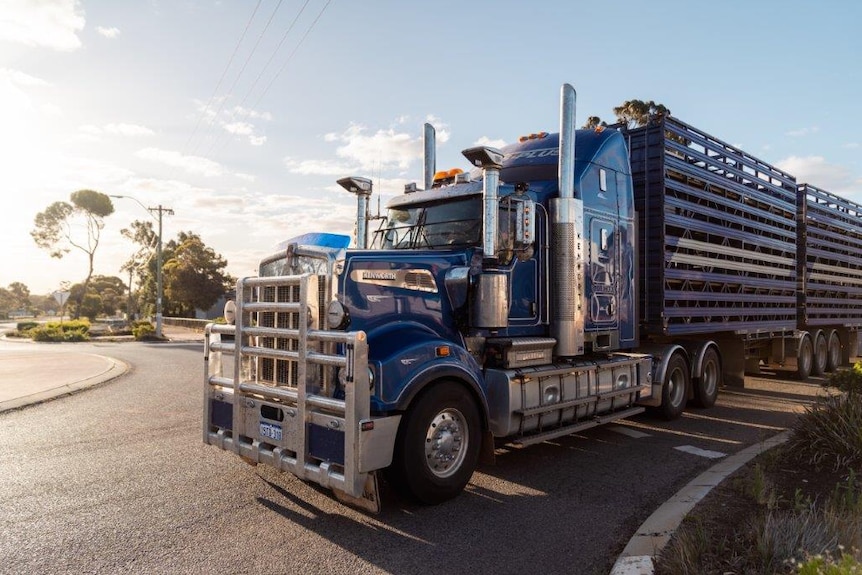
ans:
x=802 y=132
x=486 y=141
x=45 y=23
x=128 y=130
x=317 y=167
x=91 y=133
x=441 y=128
x=111 y=32
x=19 y=78
x=815 y=170
x=247 y=130
x=384 y=149
x=249 y=113
x=851 y=145
x=191 y=164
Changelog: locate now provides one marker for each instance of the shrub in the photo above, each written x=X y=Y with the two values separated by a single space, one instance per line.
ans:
x=23 y=326
x=54 y=331
x=825 y=565
x=829 y=433
x=143 y=330
x=847 y=380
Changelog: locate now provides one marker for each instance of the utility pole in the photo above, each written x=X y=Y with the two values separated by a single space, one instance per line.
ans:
x=161 y=210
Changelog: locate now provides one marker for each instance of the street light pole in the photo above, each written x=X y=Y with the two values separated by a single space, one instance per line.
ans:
x=161 y=211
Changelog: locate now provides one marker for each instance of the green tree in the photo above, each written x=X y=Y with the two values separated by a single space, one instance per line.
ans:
x=635 y=113
x=21 y=293
x=76 y=224
x=594 y=122
x=15 y=297
x=142 y=264
x=103 y=296
x=194 y=275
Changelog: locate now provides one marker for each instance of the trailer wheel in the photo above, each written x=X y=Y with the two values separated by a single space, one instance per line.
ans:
x=804 y=357
x=833 y=357
x=675 y=389
x=437 y=448
x=821 y=353
x=706 y=385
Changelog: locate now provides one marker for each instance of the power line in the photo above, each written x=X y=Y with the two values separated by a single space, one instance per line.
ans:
x=223 y=75
x=290 y=57
x=239 y=108
x=248 y=58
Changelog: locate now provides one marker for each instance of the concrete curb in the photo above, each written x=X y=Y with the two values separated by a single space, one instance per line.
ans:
x=115 y=369
x=652 y=536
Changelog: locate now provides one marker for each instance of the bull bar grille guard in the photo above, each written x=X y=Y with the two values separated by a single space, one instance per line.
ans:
x=283 y=377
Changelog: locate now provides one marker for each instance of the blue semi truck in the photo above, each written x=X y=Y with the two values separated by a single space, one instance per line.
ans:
x=568 y=280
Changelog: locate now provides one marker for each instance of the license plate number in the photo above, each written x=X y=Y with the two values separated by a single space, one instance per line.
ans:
x=270 y=430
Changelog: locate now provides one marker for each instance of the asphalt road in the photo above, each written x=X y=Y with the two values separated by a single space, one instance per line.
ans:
x=115 y=479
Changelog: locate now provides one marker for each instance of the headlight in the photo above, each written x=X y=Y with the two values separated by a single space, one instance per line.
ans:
x=342 y=378
x=230 y=311
x=336 y=315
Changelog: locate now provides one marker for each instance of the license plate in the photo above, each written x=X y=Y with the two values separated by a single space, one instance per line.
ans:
x=270 y=430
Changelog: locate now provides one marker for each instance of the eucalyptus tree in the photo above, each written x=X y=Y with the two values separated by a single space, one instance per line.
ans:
x=76 y=224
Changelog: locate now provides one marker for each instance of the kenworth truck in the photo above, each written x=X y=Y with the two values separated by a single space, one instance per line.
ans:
x=566 y=281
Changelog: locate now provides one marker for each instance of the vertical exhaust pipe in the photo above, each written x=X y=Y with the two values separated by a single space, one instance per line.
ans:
x=362 y=188
x=429 y=140
x=567 y=228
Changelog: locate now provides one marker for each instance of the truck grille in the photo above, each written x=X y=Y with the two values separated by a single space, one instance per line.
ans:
x=285 y=372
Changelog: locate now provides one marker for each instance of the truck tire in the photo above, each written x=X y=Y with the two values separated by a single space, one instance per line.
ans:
x=674 y=392
x=833 y=357
x=707 y=383
x=821 y=354
x=804 y=357
x=437 y=447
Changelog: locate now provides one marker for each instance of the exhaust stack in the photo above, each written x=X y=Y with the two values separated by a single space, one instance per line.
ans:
x=362 y=188
x=567 y=228
x=430 y=155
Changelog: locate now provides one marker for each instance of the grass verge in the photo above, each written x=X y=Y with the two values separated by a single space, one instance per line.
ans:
x=797 y=509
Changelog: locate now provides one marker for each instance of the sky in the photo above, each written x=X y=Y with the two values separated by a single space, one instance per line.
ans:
x=240 y=115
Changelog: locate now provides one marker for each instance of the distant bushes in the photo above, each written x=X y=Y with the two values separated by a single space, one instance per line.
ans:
x=73 y=330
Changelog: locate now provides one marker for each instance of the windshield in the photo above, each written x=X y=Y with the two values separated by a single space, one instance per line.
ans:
x=454 y=223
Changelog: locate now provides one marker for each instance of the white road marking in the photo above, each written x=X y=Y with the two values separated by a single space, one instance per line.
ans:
x=621 y=429
x=701 y=452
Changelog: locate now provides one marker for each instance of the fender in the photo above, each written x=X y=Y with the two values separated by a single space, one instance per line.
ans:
x=696 y=350
x=407 y=359
x=661 y=354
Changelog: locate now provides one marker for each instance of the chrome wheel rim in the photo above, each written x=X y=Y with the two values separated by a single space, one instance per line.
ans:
x=446 y=443
x=676 y=383
x=710 y=377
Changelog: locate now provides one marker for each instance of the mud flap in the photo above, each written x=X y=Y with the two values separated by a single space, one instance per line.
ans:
x=370 y=499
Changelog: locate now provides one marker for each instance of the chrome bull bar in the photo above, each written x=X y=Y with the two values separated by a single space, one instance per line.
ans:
x=280 y=407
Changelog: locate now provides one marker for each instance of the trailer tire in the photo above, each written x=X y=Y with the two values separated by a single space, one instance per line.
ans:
x=707 y=383
x=674 y=392
x=438 y=443
x=804 y=357
x=833 y=357
x=821 y=354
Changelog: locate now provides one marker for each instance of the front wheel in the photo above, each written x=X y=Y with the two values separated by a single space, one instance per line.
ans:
x=437 y=448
